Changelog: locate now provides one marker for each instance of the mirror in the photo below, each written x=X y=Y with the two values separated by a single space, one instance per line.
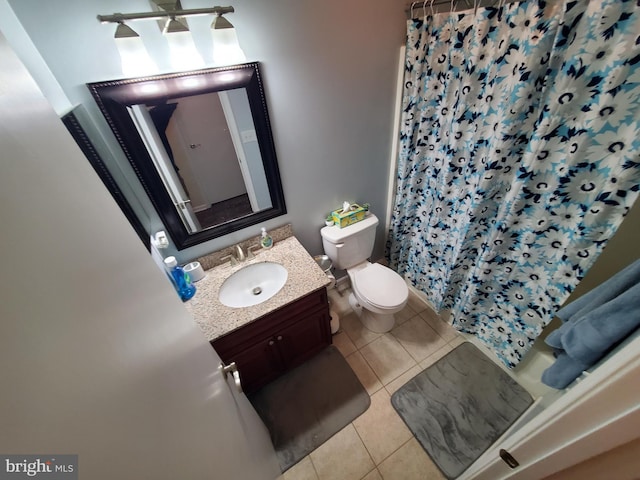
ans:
x=76 y=120
x=200 y=143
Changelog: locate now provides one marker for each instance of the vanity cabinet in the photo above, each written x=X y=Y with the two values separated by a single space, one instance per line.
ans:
x=279 y=341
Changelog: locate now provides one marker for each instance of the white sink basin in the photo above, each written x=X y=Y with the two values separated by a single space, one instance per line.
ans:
x=253 y=284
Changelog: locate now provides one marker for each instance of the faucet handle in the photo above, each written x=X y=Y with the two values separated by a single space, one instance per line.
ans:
x=230 y=257
x=250 y=250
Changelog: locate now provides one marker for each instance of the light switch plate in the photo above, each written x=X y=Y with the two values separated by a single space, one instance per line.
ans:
x=248 y=136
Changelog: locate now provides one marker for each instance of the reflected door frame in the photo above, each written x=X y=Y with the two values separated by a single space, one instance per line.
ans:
x=169 y=176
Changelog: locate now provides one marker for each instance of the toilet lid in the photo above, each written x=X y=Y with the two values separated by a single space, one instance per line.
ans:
x=381 y=286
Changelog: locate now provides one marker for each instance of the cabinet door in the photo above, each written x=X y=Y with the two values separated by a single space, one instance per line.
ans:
x=258 y=364
x=305 y=338
x=279 y=341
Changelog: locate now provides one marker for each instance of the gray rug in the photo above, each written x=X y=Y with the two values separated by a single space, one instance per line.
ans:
x=459 y=406
x=309 y=404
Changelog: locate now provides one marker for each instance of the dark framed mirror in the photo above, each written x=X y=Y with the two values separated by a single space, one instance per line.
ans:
x=72 y=121
x=200 y=143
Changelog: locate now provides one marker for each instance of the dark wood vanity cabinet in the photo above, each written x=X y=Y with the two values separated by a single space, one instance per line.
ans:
x=271 y=345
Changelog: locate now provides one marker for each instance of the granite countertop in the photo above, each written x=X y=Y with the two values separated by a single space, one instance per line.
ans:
x=216 y=319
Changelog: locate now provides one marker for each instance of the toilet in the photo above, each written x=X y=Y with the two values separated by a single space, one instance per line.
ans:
x=378 y=291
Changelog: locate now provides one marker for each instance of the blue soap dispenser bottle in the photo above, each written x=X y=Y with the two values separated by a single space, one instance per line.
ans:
x=181 y=280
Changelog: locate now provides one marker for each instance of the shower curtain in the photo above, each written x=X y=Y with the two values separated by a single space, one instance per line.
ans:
x=519 y=157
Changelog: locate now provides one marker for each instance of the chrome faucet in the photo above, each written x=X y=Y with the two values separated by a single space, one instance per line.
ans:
x=236 y=256
x=240 y=256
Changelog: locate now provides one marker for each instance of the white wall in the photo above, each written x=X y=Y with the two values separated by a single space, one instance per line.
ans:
x=329 y=72
x=622 y=250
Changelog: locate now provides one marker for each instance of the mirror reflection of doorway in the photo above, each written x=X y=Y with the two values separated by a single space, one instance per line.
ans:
x=209 y=142
x=164 y=166
x=248 y=125
x=204 y=153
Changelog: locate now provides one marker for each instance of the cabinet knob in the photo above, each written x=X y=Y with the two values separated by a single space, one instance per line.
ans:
x=271 y=342
x=279 y=337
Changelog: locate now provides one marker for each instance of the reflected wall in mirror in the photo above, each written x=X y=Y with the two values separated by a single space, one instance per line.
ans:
x=201 y=144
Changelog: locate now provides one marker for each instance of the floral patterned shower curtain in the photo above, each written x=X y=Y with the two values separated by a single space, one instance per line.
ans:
x=519 y=157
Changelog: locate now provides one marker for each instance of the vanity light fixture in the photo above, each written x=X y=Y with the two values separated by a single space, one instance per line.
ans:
x=226 y=49
x=182 y=50
x=174 y=27
x=134 y=57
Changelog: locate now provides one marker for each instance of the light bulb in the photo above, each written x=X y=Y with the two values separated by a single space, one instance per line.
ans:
x=226 y=48
x=134 y=58
x=182 y=51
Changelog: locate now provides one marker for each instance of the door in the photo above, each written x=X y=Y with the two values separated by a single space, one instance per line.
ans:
x=205 y=147
x=258 y=363
x=105 y=362
x=305 y=338
x=243 y=427
x=597 y=414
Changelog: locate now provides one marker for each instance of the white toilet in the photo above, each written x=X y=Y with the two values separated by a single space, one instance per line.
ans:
x=378 y=291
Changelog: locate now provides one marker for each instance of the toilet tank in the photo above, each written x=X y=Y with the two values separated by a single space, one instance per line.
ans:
x=350 y=245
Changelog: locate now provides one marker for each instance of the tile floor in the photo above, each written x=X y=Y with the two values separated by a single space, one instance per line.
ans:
x=377 y=445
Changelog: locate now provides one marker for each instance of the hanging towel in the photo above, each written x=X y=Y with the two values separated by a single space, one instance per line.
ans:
x=593 y=324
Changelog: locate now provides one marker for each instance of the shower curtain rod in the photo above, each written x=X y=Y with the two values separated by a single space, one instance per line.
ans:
x=418 y=8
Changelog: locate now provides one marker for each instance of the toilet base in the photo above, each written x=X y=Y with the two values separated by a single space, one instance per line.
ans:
x=376 y=322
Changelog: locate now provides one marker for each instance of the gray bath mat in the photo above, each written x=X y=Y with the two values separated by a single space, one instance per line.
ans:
x=459 y=406
x=309 y=404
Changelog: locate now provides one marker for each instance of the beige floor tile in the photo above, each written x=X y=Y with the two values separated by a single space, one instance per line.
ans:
x=303 y=470
x=373 y=475
x=410 y=463
x=343 y=343
x=387 y=358
x=429 y=313
x=381 y=428
x=402 y=379
x=418 y=338
x=342 y=457
x=434 y=357
x=358 y=333
x=416 y=303
x=443 y=329
x=364 y=373
x=405 y=314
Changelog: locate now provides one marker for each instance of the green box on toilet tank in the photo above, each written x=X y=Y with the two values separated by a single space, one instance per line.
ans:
x=344 y=218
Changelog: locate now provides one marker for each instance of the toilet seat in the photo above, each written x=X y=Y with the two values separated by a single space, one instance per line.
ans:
x=380 y=286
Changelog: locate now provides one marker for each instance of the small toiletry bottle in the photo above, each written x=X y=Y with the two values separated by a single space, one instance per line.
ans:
x=266 y=241
x=183 y=284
